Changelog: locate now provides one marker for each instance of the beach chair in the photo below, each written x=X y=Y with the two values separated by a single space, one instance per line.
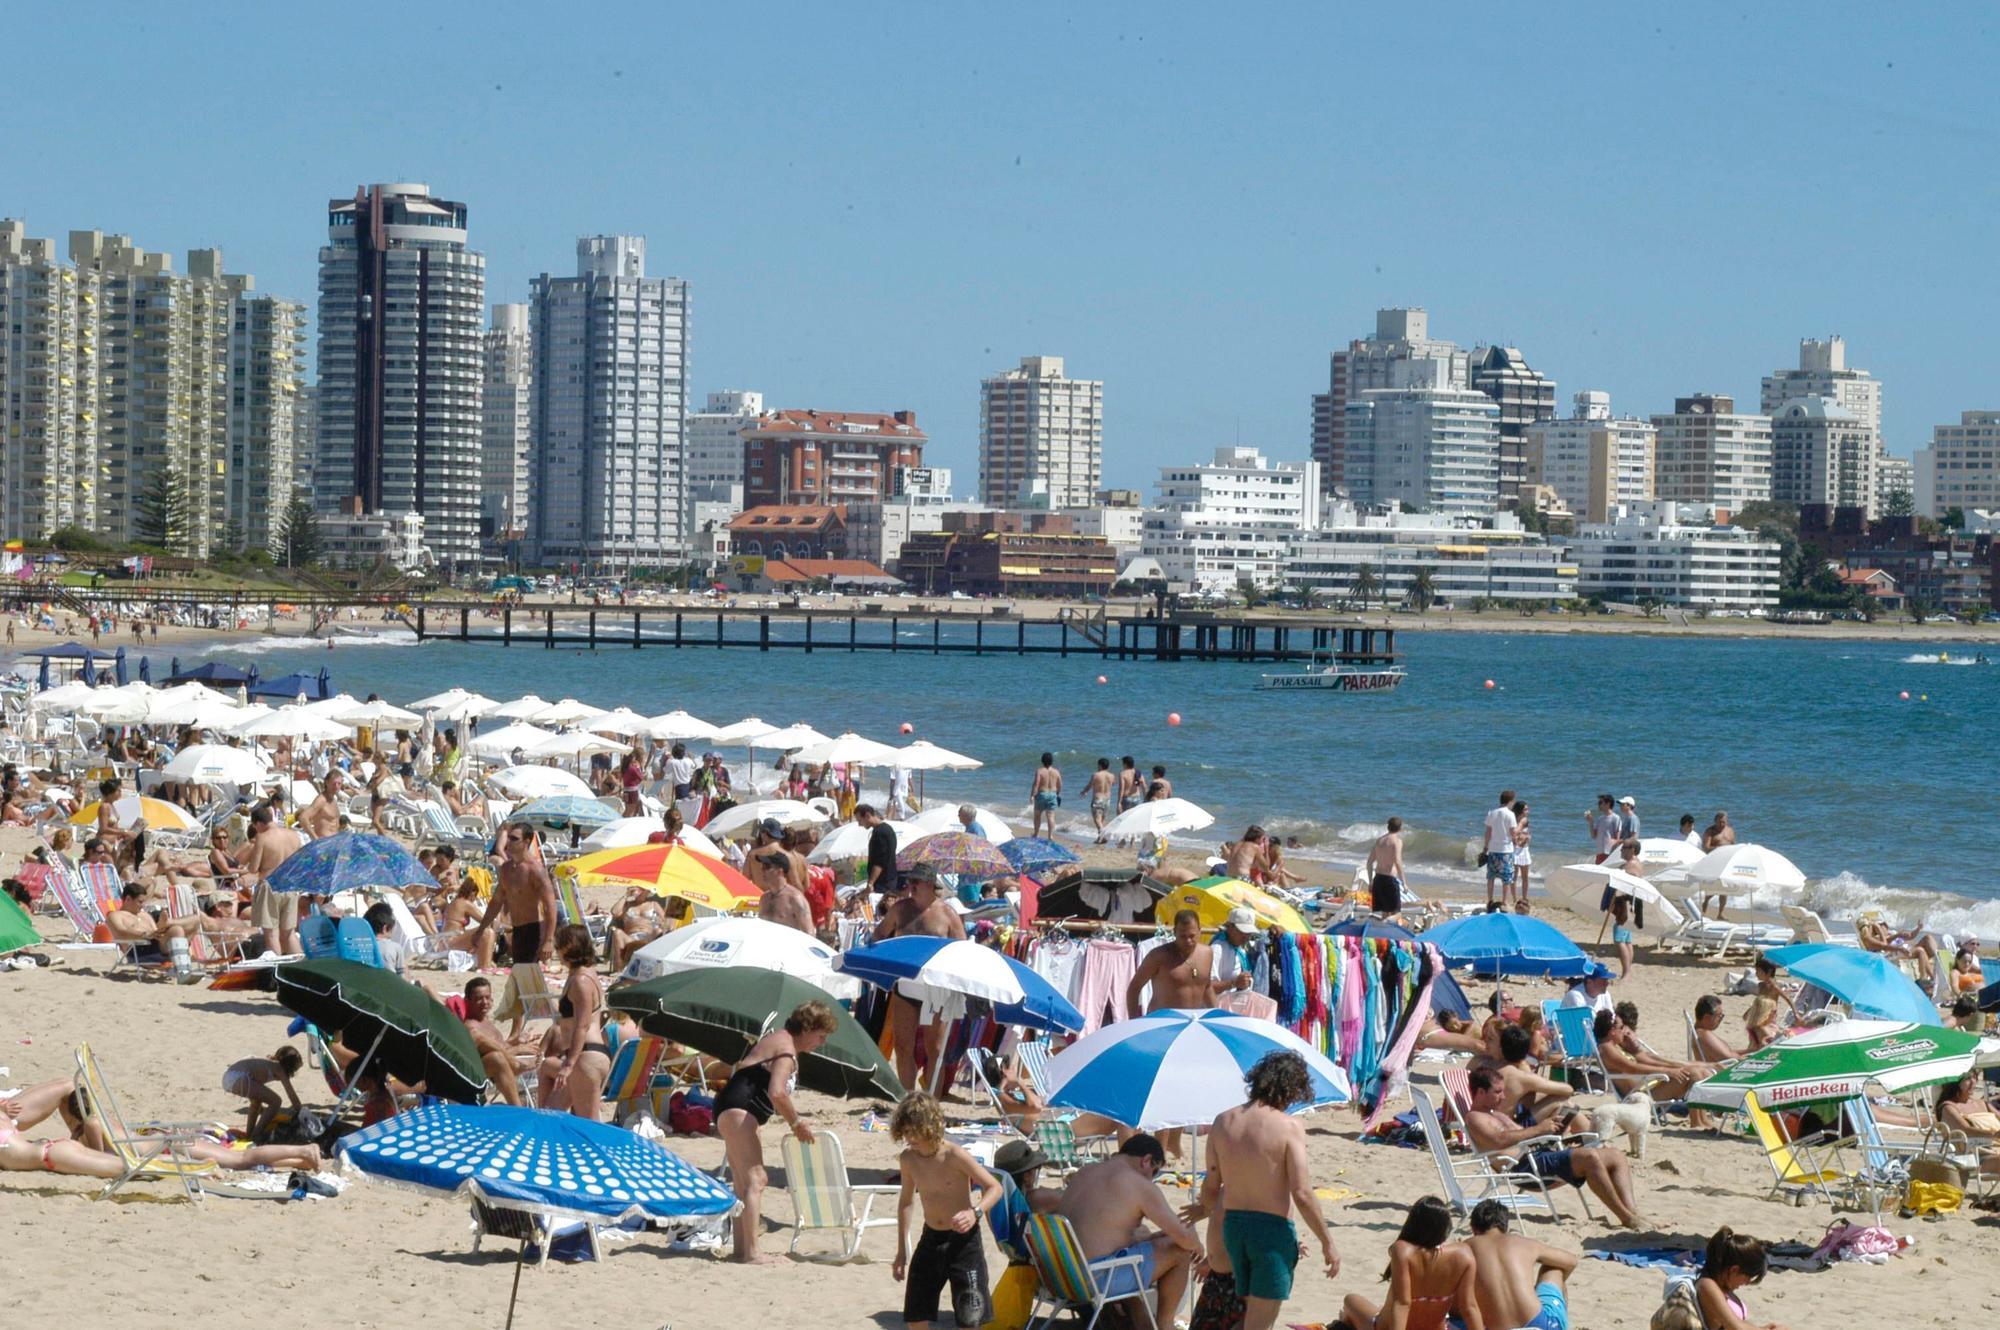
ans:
x=569 y=905
x=160 y=1153
x=436 y=827
x=205 y=947
x=630 y=1084
x=492 y=1221
x=825 y=1200
x=106 y=887
x=73 y=897
x=1575 y=1027
x=1071 y=1283
x=1802 y=1168
x=1722 y=937
x=1810 y=927
x=1066 y=1150
x=1517 y=1189
x=525 y=996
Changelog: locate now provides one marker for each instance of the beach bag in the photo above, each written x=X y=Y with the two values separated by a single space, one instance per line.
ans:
x=1013 y=1298
x=688 y=1117
x=1937 y=1169
x=1679 y=1310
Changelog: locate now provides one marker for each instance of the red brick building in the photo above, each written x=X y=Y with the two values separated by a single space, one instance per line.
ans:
x=789 y=531
x=1008 y=554
x=827 y=457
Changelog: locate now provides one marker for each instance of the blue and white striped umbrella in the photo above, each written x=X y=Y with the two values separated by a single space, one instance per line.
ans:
x=1178 y=1068
x=565 y=810
x=936 y=966
x=535 y=1160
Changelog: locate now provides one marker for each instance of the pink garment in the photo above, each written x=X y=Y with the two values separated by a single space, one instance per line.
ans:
x=1353 y=992
x=1108 y=968
x=1249 y=1004
x=1395 y=1065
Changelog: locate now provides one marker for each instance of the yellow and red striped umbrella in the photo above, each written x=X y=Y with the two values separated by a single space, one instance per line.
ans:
x=670 y=870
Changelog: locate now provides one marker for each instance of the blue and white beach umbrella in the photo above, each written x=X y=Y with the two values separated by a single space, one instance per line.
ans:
x=1177 y=1068
x=350 y=861
x=565 y=810
x=929 y=968
x=1501 y=943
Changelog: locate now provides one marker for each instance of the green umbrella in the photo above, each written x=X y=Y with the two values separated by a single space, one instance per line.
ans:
x=723 y=1012
x=1838 y=1061
x=418 y=1039
x=16 y=929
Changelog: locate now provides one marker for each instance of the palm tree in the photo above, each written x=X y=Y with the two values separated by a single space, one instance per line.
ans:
x=1423 y=589
x=1365 y=584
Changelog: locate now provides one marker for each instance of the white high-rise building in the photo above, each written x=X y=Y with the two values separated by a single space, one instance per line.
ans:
x=1040 y=433
x=402 y=304
x=715 y=446
x=1401 y=336
x=1466 y=558
x=1427 y=441
x=48 y=389
x=305 y=437
x=610 y=393
x=1673 y=553
x=1592 y=459
x=506 y=433
x=1708 y=453
x=1821 y=452
x=1894 y=475
x=267 y=342
x=1961 y=468
x=1232 y=520
x=1823 y=372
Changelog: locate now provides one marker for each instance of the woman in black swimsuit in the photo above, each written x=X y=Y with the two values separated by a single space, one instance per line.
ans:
x=760 y=1085
x=578 y=1061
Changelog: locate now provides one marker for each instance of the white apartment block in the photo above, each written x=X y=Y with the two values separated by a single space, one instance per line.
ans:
x=1665 y=551
x=305 y=437
x=714 y=471
x=506 y=441
x=1894 y=475
x=48 y=389
x=1821 y=452
x=1961 y=468
x=610 y=394
x=1591 y=459
x=1823 y=372
x=267 y=342
x=1402 y=336
x=1232 y=520
x=1040 y=433
x=1425 y=442
x=1122 y=526
x=1708 y=453
x=1467 y=558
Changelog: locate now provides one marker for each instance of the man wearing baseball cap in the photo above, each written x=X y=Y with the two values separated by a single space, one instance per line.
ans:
x=1236 y=950
x=1593 y=990
x=1016 y=1165
x=1628 y=818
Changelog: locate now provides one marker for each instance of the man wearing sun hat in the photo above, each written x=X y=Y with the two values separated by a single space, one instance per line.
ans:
x=1628 y=818
x=1236 y=949
x=1593 y=990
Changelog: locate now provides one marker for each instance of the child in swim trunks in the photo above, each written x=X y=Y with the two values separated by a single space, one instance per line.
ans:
x=950 y=1250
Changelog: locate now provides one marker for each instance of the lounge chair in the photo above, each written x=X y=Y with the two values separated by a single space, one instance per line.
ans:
x=1072 y=1283
x=73 y=897
x=205 y=947
x=825 y=1200
x=1810 y=927
x=1721 y=937
x=630 y=1084
x=160 y=1153
x=436 y=827
x=1814 y=1166
x=1517 y=1189
x=492 y=1221
x=1577 y=1029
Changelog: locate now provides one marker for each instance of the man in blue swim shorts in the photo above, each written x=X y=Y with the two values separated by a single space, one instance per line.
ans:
x=1518 y=1281
x=1046 y=789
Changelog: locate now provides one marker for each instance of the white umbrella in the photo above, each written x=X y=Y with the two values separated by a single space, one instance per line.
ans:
x=163 y=698
x=619 y=720
x=217 y=764
x=332 y=707
x=787 y=811
x=471 y=706
x=291 y=723
x=1655 y=851
x=792 y=736
x=452 y=697
x=539 y=782
x=566 y=712
x=114 y=706
x=573 y=744
x=923 y=755
x=727 y=941
x=1743 y=870
x=680 y=725
x=742 y=732
x=1159 y=817
x=63 y=699
x=379 y=715
x=521 y=708
x=503 y=741
x=1581 y=887
x=944 y=817
x=209 y=711
x=848 y=747
x=627 y=832
x=851 y=842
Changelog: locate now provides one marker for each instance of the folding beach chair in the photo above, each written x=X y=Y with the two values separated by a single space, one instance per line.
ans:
x=1575 y=1026
x=436 y=827
x=106 y=888
x=825 y=1200
x=1806 y=1167
x=630 y=1084
x=569 y=905
x=492 y=1221
x=1071 y=1283
x=73 y=897
x=529 y=990
x=160 y=1153
x=1518 y=1189
x=204 y=948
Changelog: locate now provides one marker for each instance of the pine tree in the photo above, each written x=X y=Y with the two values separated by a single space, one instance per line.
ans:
x=298 y=533
x=161 y=516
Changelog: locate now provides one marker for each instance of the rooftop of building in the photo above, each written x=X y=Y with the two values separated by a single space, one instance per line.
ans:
x=784 y=517
x=899 y=425
x=832 y=570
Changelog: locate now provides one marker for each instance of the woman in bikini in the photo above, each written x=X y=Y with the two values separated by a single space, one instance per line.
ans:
x=577 y=1061
x=1734 y=1260
x=759 y=1086
x=1431 y=1282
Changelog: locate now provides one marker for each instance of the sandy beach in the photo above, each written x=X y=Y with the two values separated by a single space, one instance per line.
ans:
x=379 y=1256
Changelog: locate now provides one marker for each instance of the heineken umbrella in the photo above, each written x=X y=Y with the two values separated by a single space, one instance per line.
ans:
x=723 y=1012
x=1839 y=1060
x=389 y=1020
x=16 y=929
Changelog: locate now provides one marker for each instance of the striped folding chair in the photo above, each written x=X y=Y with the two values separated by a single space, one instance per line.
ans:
x=824 y=1199
x=106 y=888
x=630 y=1083
x=73 y=897
x=1069 y=1282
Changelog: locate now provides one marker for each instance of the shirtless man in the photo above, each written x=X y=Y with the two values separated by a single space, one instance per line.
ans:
x=1045 y=792
x=129 y=922
x=274 y=912
x=1527 y=1096
x=1604 y=1171
x=1257 y=1159
x=321 y=817
x=1182 y=974
x=1709 y=1045
x=1518 y=1281
x=504 y=1059
x=1108 y=1204
x=1630 y=1065
x=1131 y=790
x=527 y=894
x=1103 y=785
x=1385 y=870
x=1159 y=787
x=917 y=912
x=768 y=866
x=783 y=902
x=1242 y=856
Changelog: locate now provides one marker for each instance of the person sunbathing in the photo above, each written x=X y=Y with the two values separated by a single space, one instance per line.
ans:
x=1015 y=1091
x=1452 y=1034
x=1493 y=1131
x=87 y=1128
x=504 y=1059
x=1632 y=1066
x=1961 y=1110
x=131 y=923
x=638 y=919
x=1527 y=1096
x=1709 y=1045
x=18 y=1154
x=1910 y=945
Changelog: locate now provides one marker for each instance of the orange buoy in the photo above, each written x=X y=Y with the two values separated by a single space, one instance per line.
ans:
x=1173 y=718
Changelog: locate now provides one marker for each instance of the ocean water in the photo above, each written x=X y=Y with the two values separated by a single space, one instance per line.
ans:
x=1886 y=802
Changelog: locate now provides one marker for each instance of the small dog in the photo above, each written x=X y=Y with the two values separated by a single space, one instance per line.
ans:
x=1632 y=1115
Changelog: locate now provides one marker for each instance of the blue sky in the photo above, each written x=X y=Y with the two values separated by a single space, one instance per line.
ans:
x=879 y=204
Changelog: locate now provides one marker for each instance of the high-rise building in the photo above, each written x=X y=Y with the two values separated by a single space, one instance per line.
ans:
x=1401 y=336
x=163 y=357
x=1592 y=459
x=1823 y=453
x=1961 y=468
x=48 y=389
x=506 y=437
x=1426 y=441
x=305 y=437
x=610 y=392
x=1823 y=372
x=1231 y=520
x=267 y=338
x=401 y=304
x=827 y=457
x=1708 y=453
x=1894 y=476
x=715 y=447
x=1524 y=396
x=1041 y=434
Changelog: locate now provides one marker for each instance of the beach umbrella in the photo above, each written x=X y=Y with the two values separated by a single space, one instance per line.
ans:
x=1100 y=893
x=332 y=707
x=1176 y=1068
x=451 y=696
x=472 y=706
x=1160 y=817
x=157 y=814
x=503 y=741
x=526 y=707
x=42 y=675
x=395 y=1025
x=564 y=811
x=742 y=732
x=725 y=942
x=379 y=715
x=1658 y=851
x=848 y=747
x=294 y=722
x=114 y=706
x=574 y=744
x=938 y=966
x=1212 y=898
x=1867 y=981
x=566 y=712
x=624 y=832
x=723 y=1012
x=62 y=700
x=620 y=720
x=1037 y=854
x=944 y=817
x=217 y=764
x=1741 y=870
x=956 y=852
x=349 y=861
x=1581 y=888
x=791 y=736
x=118 y=668
x=850 y=841
x=923 y=755
x=145 y=669
x=539 y=782
x=670 y=870
x=1842 y=1059
x=680 y=725
x=17 y=930
x=788 y=811
x=1497 y=944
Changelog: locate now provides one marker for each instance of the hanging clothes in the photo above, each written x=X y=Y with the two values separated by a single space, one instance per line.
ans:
x=1108 y=967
